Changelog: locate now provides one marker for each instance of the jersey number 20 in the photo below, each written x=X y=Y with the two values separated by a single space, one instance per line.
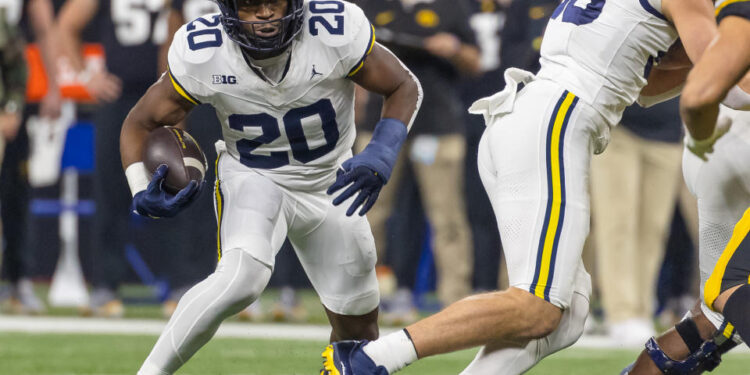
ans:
x=301 y=151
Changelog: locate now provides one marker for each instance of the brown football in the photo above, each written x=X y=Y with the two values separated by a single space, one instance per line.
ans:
x=180 y=152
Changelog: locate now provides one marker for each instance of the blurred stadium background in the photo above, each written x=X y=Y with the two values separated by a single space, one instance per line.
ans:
x=56 y=318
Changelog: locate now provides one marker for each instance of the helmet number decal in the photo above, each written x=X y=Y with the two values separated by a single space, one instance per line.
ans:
x=204 y=38
x=297 y=123
x=327 y=7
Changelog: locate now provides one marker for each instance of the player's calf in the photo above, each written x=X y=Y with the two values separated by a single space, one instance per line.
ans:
x=353 y=327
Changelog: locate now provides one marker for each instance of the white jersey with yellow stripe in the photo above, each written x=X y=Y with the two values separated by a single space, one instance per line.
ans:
x=298 y=130
x=603 y=50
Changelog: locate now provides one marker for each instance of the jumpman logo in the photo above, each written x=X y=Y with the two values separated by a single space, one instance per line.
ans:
x=314 y=73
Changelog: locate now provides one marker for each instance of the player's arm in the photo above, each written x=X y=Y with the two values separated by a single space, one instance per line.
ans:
x=722 y=66
x=41 y=15
x=161 y=105
x=367 y=172
x=73 y=18
x=384 y=74
x=695 y=23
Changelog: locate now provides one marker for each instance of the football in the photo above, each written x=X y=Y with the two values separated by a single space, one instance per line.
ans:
x=180 y=152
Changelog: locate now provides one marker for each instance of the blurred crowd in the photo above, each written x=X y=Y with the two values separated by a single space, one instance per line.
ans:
x=433 y=224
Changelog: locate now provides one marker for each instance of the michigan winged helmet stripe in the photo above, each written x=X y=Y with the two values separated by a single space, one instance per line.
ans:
x=555 y=213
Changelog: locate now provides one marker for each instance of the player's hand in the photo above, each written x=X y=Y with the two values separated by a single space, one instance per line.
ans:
x=364 y=180
x=701 y=148
x=369 y=170
x=156 y=203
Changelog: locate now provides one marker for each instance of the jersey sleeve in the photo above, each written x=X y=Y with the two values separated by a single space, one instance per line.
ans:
x=360 y=40
x=740 y=8
x=183 y=68
x=653 y=7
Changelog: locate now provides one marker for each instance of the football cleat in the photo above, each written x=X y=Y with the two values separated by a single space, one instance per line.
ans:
x=348 y=358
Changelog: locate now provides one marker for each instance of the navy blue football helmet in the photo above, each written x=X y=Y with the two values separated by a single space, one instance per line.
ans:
x=289 y=26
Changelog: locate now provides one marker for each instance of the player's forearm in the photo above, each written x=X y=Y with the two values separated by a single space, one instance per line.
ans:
x=404 y=102
x=707 y=86
x=159 y=106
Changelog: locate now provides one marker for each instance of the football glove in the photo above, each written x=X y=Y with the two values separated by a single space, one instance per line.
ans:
x=701 y=148
x=369 y=170
x=156 y=203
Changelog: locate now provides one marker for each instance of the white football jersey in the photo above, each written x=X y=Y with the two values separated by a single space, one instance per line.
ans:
x=603 y=50
x=295 y=131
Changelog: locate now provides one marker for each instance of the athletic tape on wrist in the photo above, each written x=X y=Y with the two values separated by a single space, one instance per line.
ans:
x=138 y=177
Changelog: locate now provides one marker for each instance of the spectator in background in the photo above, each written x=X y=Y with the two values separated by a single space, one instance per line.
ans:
x=486 y=20
x=634 y=190
x=522 y=35
x=131 y=51
x=33 y=20
x=434 y=40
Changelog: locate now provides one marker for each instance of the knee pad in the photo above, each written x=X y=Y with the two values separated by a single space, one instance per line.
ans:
x=239 y=278
x=572 y=324
x=704 y=355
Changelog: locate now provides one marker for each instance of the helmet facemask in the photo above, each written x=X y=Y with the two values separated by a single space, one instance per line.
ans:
x=245 y=33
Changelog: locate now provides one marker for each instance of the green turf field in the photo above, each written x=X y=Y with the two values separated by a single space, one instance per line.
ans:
x=45 y=354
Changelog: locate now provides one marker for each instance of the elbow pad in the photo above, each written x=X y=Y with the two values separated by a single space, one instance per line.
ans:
x=737 y=99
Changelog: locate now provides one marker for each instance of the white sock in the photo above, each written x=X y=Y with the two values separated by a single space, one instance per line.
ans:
x=394 y=351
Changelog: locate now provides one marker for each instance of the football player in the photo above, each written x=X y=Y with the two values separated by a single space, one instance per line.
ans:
x=534 y=162
x=281 y=76
x=720 y=181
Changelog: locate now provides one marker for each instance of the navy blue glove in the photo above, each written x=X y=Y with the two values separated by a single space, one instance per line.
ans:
x=156 y=203
x=369 y=170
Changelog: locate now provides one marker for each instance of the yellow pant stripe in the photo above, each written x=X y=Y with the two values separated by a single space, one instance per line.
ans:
x=556 y=197
x=219 y=207
x=713 y=285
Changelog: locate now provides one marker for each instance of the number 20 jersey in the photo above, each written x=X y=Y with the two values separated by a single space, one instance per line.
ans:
x=603 y=50
x=296 y=131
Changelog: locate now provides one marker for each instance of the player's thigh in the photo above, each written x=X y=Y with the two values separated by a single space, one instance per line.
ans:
x=534 y=163
x=339 y=258
x=249 y=211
